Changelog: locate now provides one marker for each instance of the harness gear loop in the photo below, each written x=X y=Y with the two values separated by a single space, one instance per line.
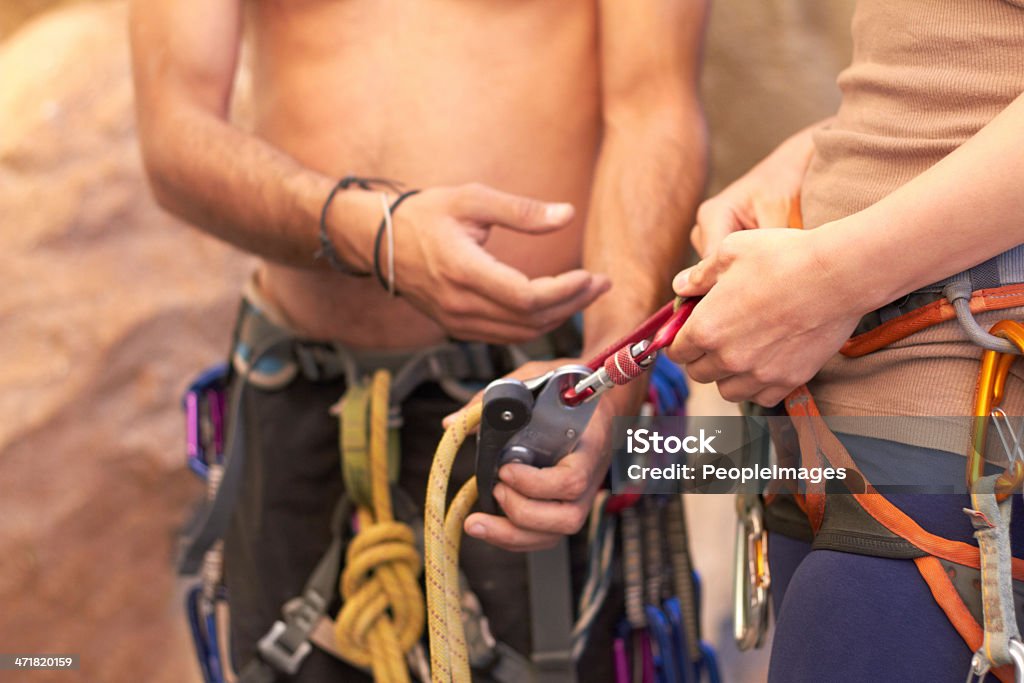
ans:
x=995 y=366
x=382 y=616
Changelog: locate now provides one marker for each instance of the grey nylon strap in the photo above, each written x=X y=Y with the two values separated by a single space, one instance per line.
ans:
x=284 y=648
x=551 y=619
x=1005 y=269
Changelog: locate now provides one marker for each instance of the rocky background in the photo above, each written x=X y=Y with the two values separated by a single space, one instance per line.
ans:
x=107 y=306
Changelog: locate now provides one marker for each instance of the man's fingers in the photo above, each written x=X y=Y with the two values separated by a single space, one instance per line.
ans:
x=548 y=316
x=566 y=481
x=546 y=516
x=501 y=532
x=489 y=206
x=486 y=329
x=522 y=296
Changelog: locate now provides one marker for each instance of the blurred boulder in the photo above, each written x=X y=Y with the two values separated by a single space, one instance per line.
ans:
x=107 y=307
x=770 y=69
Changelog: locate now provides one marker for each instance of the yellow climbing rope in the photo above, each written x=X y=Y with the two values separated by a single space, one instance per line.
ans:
x=449 y=660
x=381 y=617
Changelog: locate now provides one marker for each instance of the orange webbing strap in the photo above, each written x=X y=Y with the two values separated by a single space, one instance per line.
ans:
x=995 y=299
x=941 y=587
x=817 y=443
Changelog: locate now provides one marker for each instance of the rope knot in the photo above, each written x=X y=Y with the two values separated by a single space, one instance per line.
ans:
x=382 y=614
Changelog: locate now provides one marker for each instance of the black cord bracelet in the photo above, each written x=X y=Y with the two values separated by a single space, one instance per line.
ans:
x=327 y=250
x=380 y=238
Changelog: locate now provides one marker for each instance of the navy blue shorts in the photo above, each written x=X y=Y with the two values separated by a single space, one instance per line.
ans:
x=843 y=617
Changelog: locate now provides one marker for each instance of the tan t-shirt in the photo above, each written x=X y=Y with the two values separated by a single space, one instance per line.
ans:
x=926 y=75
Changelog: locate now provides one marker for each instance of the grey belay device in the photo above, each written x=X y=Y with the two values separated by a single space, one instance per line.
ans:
x=529 y=422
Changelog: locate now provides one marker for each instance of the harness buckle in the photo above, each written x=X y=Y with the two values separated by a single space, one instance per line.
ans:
x=276 y=651
x=995 y=367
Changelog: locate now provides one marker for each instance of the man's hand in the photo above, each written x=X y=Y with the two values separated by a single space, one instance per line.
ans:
x=443 y=269
x=544 y=504
x=774 y=310
x=767 y=196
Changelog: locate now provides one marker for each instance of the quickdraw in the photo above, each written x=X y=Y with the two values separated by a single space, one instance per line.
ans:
x=991 y=500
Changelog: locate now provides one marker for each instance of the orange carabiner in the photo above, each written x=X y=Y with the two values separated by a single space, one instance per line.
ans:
x=995 y=367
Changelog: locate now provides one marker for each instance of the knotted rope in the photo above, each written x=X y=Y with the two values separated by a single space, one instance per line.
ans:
x=382 y=615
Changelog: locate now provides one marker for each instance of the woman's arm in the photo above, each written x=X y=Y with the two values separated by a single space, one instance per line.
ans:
x=779 y=303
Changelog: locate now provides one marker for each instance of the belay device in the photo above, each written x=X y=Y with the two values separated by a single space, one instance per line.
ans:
x=528 y=422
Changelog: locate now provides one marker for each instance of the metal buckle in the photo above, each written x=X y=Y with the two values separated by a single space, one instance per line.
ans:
x=277 y=654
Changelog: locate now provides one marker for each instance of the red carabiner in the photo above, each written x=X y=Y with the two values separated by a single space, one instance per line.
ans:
x=661 y=329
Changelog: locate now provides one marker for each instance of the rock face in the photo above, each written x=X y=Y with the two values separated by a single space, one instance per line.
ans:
x=107 y=306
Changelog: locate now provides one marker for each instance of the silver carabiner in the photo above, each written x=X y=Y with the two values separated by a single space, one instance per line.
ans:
x=980 y=665
x=1011 y=439
x=979 y=669
x=1017 y=655
x=751 y=576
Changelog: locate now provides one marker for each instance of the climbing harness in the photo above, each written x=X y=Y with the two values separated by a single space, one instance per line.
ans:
x=953 y=571
x=268 y=356
x=373 y=560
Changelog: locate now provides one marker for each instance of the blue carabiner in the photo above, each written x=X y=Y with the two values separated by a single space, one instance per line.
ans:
x=665 y=664
x=673 y=610
x=204 y=637
x=709 y=663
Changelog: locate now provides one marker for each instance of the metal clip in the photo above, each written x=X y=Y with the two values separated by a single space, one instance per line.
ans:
x=980 y=665
x=599 y=381
x=752 y=579
x=1009 y=437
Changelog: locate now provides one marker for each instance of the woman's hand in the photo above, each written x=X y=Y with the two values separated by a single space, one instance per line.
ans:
x=767 y=196
x=775 y=308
